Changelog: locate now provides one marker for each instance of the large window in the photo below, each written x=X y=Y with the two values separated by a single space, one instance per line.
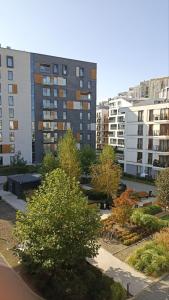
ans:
x=140 y=129
x=44 y=68
x=59 y=81
x=140 y=115
x=9 y=62
x=46 y=92
x=49 y=115
x=140 y=143
x=46 y=80
x=10 y=100
x=10 y=75
x=12 y=136
x=55 y=68
x=10 y=88
x=64 y=70
x=11 y=113
x=0 y=137
x=139 y=157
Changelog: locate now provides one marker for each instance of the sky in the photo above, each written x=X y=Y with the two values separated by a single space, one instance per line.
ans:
x=128 y=39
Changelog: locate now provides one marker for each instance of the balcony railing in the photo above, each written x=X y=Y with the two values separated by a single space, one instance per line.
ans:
x=158 y=118
x=157 y=163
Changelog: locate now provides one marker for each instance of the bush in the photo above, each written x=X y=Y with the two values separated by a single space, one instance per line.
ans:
x=152 y=210
x=148 y=222
x=152 y=259
x=93 y=195
x=11 y=170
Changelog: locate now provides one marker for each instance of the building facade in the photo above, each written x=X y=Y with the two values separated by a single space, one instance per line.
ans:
x=146 y=138
x=41 y=97
x=102 y=125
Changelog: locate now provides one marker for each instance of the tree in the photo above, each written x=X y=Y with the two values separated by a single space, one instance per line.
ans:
x=162 y=183
x=49 y=163
x=87 y=158
x=106 y=174
x=59 y=229
x=68 y=155
x=122 y=211
x=18 y=160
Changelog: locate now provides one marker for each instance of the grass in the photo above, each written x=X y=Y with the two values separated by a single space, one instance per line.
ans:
x=166 y=218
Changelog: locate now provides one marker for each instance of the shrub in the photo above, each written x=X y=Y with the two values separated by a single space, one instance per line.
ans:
x=152 y=259
x=152 y=210
x=162 y=238
x=118 y=292
x=93 y=195
x=148 y=222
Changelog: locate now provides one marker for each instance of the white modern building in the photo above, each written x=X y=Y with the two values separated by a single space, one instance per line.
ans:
x=15 y=105
x=102 y=111
x=146 y=138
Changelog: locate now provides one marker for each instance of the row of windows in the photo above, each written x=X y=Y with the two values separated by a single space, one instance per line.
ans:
x=53 y=137
x=11 y=112
x=11 y=160
x=62 y=81
x=11 y=125
x=60 y=69
x=52 y=115
x=11 y=137
x=47 y=92
x=9 y=61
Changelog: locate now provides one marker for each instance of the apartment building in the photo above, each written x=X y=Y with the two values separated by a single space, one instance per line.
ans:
x=148 y=89
x=117 y=124
x=146 y=138
x=41 y=96
x=102 y=111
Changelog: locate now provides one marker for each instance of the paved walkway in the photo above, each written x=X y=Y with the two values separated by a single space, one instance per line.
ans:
x=139 y=186
x=120 y=271
x=12 y=200
x=12 y=287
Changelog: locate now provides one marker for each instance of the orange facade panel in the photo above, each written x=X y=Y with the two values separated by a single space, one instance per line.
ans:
x=38 y=78
x=60 y=92
x=6 y=148
x=69 y=104
x=78 y=94
x=14 y=89
x=93 y=74
x=78 y=136
x=60 y=126
x=85 y=105
x=15 y=125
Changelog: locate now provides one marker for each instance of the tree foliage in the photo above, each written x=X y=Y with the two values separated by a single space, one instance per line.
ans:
x=18 y=160
x=106 y=174
x=87 y=158
x=122 y=211
x=68 y=155
x=49 y=163
x=162 y=183
x=58 y=228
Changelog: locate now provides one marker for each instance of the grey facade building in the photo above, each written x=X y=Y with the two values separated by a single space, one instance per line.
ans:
x=63 y=96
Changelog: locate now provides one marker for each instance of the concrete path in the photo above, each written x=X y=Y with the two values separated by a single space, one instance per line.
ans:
x=157 y=291
x=12 y=200
x=12 y=287
x=139 y=187
x=120 y=271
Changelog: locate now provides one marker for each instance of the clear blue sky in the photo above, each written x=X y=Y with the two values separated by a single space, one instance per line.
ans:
x=129 y=39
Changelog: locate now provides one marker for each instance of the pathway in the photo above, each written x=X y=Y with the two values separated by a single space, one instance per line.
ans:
x=139 y=186
x=120 y=271
x=12 y=200
x=12 y=287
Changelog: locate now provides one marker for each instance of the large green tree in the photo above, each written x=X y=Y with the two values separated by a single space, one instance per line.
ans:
x=162 y=183
x=49 y=163
x=58 y=229
x=87 y=158
x=68 y=155
x=106 y=173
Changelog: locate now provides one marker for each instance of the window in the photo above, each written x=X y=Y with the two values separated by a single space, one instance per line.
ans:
x=10 y=101
x=77 y=71
x=9 y=61
x=49 y=115
x=55 y=92
x=1 y=160
x=11 y=125
x=64 y=92
x=12 y=148
x=64 y=115
x=88 y=126
x=59 y=81
x=64 y=104
x=0 y=137
x=12 y=159
x=46 y=80
x=0 y=100
x=81 y=115
x=46 y=92
x=64 y=69
x=46 y=103
x=88 y=116
x=55 y=68
x=81 y=136
x=140 y=116
x=81 y=72
x=139 y=143
x=0 y=124
x=44 y=68
x=0 y=112
x=10 y=88
x=81 y=126
x=81 y=83
x=55 y=136
x=10 y=75
x=12 y=136
x=89 y=84
x=88 y=137
x=139 y=157
x=140 y=129
x=11 y=113
x=150 y=158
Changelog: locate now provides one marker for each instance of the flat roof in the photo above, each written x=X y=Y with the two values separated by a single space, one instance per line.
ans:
x=24 y=178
